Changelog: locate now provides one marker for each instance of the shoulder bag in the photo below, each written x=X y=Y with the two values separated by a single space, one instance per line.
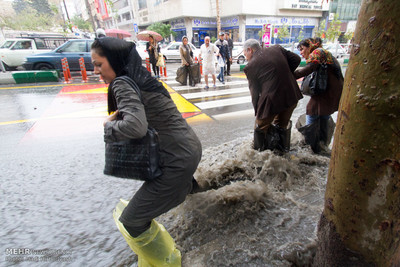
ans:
x=316 y=82
x=135 y=158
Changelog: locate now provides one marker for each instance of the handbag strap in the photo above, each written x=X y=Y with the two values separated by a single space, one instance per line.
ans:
x=133 y=84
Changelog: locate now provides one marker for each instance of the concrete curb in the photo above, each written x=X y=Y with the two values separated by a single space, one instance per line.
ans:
x=19 y=77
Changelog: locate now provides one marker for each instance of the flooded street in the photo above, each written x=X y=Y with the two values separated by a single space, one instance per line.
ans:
x=260 y=209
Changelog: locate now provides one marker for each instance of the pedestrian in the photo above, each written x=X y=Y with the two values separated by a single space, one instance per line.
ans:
x=180 y=148
x=208 y=54
x=320 y=107
x=229 y=60
x=153 y=49
x=274 y=93
x=186 y=54
x=223 y=47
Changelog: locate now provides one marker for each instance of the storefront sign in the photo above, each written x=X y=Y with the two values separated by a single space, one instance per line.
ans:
x=267 y=34
x=230 y=22
x=317 y=5
x=203 y=23
x=277 y=21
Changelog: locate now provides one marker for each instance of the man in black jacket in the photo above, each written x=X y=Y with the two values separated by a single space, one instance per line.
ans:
x=229 y=60
x=222 y=45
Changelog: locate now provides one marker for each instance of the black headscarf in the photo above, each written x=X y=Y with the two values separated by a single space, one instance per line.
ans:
x=125 y=60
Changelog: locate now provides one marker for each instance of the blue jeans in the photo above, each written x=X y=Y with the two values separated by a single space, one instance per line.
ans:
x=312 y=118
x=221 y=74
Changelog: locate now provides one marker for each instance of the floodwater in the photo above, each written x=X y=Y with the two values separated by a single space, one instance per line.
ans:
x=260 y=209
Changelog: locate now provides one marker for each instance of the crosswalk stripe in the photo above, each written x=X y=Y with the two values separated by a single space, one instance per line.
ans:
x=223 y=102
x=178 y=87
x=228 y=100
x=216 y=93
x=234 y=114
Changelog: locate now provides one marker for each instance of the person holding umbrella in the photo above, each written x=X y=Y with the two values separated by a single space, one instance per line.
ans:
x=153 y=49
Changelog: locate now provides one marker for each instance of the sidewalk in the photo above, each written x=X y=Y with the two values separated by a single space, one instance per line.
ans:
x=6 y=78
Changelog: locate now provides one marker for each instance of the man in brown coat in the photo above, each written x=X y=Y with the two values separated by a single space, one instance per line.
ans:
x=274 y=92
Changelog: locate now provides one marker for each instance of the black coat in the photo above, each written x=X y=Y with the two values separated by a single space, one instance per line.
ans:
x=223 y=48
x=272 y=84
x=153 y=59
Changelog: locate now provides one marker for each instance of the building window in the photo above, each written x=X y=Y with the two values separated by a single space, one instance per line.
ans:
x=126 y=16
x=142 y=4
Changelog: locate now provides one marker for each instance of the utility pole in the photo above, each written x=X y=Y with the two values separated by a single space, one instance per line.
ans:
x=218 y=18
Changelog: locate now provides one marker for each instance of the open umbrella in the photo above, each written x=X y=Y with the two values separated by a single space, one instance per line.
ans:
x=144 y=36
x=117 y=33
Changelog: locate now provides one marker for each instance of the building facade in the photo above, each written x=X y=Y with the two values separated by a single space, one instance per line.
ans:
x=347 y=11
x=242 y=19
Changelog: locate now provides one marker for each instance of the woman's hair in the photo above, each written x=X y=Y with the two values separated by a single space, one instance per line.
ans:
x=317 y=40
x=185 y=37
x=304 y=42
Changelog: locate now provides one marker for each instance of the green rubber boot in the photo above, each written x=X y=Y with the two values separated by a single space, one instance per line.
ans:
x=154 y=247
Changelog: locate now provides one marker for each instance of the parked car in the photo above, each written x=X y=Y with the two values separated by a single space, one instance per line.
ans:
x=141 y=49
x=336 y=50
x=172 y=51
x=14 y=51
x=73 y=50
x=237 y=53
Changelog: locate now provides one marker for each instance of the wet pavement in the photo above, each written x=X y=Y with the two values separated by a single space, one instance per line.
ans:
x=56 y=204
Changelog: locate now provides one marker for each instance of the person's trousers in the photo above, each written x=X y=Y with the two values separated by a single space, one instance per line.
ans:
x=155 y=69
x=221 y=75
x=282 y=120
x=189 y=72
x=312 y=118
x=228 y=67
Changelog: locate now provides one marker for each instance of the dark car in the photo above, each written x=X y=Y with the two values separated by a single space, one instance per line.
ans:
x=73 y=50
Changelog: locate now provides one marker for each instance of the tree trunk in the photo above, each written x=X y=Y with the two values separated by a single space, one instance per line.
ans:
x=360 y=224
x=218 y=18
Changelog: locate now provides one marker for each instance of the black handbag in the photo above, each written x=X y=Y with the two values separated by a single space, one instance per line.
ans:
x=181 y=75
x=135 y=158
x=317 y=82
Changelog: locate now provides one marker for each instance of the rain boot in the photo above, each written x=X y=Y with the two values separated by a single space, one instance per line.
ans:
x=284 y=137
x=154 y=247
x=326 y=127
x=266 y=140
x=311 y=133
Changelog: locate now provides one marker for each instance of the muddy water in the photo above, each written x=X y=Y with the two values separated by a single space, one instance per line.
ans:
x=260 y=209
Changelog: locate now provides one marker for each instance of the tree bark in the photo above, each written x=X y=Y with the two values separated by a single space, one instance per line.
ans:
x=360 y=224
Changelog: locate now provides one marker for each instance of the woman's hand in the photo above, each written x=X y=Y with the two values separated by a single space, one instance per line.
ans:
x=112 y=117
